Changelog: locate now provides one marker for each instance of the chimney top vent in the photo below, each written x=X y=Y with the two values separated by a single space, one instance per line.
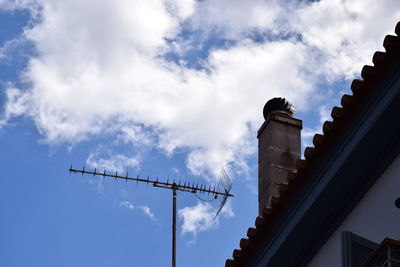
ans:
x=278 y=104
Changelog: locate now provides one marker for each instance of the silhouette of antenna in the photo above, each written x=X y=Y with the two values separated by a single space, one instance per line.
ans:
x=226 y=185
x=223 y=190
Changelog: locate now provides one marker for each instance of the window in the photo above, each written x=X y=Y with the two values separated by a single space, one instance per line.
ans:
x=355 y=249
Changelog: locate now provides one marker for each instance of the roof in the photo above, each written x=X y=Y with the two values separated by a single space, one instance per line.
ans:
x=351 y=105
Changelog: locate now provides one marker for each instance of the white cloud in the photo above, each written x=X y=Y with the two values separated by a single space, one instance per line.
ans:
x=145 y=209
x=346 y=32
x=108 y=160
x=100 y=69
x=201 y=218
x=126 y=204
x=181 y=8
x=197 y=218
x=235 y=18
x=307 y=135
x=324 y=113
x=15 y=105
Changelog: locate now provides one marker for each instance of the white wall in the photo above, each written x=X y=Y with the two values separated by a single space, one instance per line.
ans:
x=375 y=217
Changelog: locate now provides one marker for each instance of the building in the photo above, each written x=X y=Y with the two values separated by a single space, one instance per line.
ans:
x=340 y=205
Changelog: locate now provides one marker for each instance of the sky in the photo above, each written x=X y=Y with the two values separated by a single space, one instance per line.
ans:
x=172 y=89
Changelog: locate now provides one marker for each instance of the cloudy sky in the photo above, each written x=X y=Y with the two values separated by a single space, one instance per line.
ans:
x=162 y=88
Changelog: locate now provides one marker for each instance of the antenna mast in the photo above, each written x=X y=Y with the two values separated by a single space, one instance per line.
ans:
x=190 y=188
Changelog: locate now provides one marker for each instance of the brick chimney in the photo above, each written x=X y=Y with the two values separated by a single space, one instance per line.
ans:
x=278 y=148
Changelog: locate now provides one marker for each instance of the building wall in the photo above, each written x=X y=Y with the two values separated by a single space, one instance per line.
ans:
x=374 y=217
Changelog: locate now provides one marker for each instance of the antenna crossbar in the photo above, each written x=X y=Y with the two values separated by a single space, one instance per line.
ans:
x=156 y=183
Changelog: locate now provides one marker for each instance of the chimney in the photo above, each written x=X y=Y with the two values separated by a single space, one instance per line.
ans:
x=278 y=148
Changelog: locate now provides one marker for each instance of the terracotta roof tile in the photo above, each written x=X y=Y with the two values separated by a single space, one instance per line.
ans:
x=236 y=253
x=318 y=140
x=330 y=128
x=378 y=58
x=244 y=242
x=309 y=152
x=327 y=128
x=259 y=222
x=391 y=42
x=251 y=232
x=368 y=72
x=229 y=263
x=357 y=86
x=337 y=113
x=346 y=100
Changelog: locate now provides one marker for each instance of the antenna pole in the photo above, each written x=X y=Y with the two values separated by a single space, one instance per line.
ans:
x=174 y=226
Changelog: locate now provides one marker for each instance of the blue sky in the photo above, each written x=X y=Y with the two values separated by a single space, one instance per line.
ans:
x=170 y=89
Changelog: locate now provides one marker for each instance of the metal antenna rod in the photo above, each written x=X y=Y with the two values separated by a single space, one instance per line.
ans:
x=179 y=187
x=191 y=188
x=173 y=227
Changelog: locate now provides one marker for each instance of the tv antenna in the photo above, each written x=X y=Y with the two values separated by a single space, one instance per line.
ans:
x=222 y=191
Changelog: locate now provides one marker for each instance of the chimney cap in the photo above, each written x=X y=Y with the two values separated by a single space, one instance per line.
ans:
x=278 y=104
